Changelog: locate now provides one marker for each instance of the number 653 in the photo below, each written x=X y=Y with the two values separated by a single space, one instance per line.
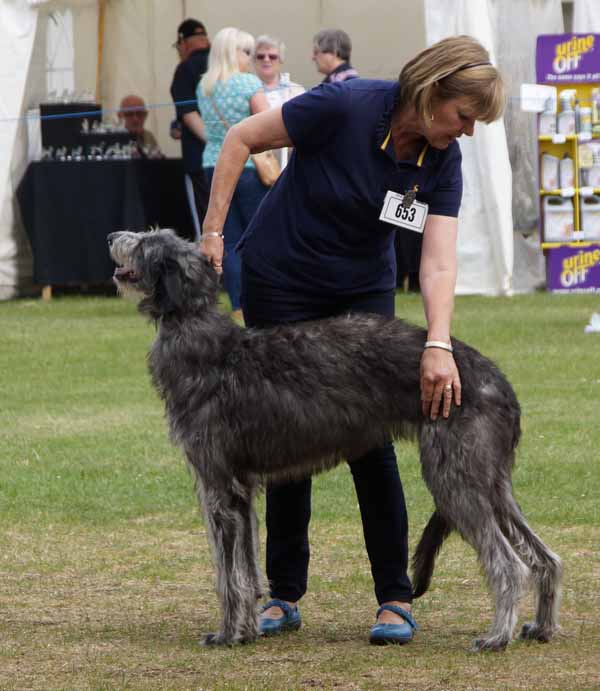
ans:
x=405 y=214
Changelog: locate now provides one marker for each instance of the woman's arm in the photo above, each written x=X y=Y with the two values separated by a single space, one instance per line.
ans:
x=259 y=103
x=195 y=124
x=254 y=134
x=437 y=277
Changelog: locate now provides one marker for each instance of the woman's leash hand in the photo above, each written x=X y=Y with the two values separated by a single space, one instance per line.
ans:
x=440 y=382
x=211 y=247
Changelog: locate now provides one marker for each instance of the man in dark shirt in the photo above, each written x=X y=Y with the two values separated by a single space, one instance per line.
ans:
x=332 y=49
x=193 y=46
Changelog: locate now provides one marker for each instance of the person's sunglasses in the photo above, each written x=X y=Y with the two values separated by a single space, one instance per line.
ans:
x=272 y=56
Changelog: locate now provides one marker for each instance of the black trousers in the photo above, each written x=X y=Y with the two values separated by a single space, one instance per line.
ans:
x=376 y=478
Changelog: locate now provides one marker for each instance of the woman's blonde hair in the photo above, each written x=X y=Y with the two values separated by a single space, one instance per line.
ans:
x=223 y=58
x=455 y=67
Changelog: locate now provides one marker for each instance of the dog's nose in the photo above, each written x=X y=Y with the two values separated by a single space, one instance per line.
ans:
x=111 y=238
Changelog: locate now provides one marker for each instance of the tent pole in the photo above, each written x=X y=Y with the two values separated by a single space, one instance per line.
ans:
x=101 y=16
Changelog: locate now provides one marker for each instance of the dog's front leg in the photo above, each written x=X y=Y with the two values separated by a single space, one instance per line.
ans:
x=230 y=522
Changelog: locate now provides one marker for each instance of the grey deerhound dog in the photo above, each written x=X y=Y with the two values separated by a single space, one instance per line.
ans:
x=250 y=405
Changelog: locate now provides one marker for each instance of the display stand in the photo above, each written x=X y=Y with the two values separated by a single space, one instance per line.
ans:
x=569 y=155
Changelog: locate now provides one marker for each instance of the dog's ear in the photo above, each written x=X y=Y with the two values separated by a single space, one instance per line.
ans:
x=169 y=288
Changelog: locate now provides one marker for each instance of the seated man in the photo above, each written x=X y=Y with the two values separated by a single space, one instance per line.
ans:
x=133 y=114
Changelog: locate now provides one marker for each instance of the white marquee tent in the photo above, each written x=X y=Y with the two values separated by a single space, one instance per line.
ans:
x=113 y=47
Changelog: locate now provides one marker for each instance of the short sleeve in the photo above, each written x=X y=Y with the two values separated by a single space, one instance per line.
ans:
x=447 y=196
x=183 y=90
x=249 y=84
x=312 y=118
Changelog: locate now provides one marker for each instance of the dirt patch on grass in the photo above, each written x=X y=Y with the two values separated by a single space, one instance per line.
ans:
x=125 y=610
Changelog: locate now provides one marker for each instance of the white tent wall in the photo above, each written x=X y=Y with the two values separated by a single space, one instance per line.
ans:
x=17 y=31
x=384 y=35
x=85 y=43
x=138 y=56
x=485 y=237
x=516 y=58
x=586 y=16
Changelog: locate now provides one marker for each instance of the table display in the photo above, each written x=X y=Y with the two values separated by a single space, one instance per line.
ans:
x=69 y=208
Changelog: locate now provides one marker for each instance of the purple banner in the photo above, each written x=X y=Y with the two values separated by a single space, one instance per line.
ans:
x=573 y=269
x=567 y=58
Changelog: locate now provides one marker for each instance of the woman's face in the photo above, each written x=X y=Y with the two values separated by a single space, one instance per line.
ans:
x=325 y=62
x=267 y=63
x=244 y=59
x=451 y=119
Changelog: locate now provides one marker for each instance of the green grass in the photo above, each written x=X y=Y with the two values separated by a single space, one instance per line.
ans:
x=106 y=580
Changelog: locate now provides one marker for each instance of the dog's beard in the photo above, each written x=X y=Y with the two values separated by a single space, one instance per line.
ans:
x=124 y=277
x=128 y=291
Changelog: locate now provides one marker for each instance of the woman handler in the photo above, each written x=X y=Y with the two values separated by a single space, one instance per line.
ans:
x=371 y=158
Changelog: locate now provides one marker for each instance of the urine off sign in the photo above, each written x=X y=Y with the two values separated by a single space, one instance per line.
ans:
x=568 y=58
x=573 y=269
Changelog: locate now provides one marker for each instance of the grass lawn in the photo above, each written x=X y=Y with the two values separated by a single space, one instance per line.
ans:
x=106 y=580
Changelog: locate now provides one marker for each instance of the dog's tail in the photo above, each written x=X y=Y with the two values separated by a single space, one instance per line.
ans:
x=436 y=531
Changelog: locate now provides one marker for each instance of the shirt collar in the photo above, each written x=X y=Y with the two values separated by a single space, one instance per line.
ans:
x=390 y=101
x=337 y=75
x=383 y=130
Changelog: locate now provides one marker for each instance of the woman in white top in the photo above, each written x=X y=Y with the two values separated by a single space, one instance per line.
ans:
x=268 y=61
x=227 y=94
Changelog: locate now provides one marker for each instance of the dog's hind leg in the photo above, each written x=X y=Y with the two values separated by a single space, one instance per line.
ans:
x=463 y=500
x=545 y=565
x=231 y=525
x=506 y=574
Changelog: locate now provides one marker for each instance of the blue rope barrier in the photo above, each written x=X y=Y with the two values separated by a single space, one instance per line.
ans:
x=151 y=106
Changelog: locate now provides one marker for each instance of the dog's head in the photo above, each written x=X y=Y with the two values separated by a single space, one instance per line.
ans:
x=162 y=272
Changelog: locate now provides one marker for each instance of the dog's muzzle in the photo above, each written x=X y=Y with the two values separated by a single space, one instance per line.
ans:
x=124 y=273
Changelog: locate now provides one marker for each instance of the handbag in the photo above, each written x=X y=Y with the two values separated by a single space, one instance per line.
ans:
x=267 y=167
x=266 y=164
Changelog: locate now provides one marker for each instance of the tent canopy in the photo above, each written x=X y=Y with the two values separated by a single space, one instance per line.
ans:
x=116 y=47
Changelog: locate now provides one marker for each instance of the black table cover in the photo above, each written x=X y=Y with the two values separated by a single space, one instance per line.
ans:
x=69 y=208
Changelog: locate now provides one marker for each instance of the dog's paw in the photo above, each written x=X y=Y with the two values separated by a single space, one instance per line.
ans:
x=533 y=632
x=494 y=644
x=211 y=639
x=214 y=639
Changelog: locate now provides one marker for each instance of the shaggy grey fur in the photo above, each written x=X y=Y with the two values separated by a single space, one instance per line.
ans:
x=249 y=405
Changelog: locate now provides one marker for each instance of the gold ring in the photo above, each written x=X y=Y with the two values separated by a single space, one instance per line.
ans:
x=448 y=387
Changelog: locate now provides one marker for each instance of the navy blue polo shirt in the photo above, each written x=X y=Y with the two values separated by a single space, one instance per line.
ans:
x=318 y=231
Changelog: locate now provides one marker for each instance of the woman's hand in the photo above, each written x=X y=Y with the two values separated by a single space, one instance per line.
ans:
x=440 y=382
x=211 y=246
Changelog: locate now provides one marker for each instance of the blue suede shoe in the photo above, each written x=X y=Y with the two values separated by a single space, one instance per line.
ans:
x=290 y=621
x=382 y=634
